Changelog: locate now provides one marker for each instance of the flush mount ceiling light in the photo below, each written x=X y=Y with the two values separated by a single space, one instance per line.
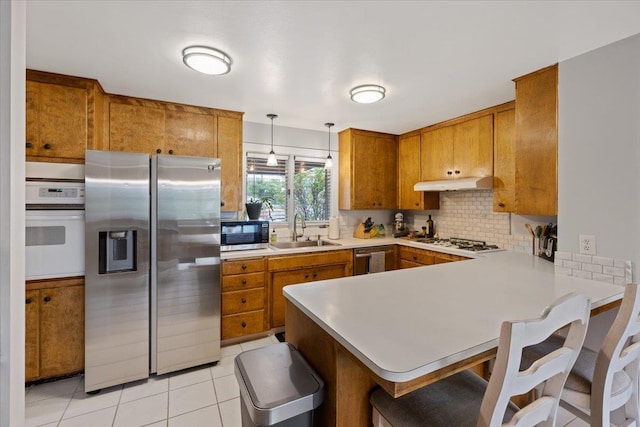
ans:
x=271 y=160
x=328 y=164
x=367 y=94
x=206 y=60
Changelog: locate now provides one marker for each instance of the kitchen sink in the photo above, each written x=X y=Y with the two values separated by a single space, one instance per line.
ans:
x=302 y=244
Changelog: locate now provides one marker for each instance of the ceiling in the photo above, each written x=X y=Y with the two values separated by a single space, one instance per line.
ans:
x=298 y=59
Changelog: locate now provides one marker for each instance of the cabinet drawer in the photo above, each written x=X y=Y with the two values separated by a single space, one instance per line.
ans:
x=237 y=325
x=242 y=281
x=252 y=265
x=403 y=263
x=417 y=256
x=239 y=301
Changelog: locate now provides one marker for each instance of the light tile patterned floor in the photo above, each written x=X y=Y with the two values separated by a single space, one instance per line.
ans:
x=205 y=396
x=197 y=397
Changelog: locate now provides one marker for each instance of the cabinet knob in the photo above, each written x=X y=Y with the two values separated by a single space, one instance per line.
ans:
x=170 y=151
x=222 y=204
x=315 y=275
x=47 y=146
x=244 y=281
x=47 y=298
x=29 y=145
x=158 y=151
x=417 y=204
x=28 y=301
x=244 y=266
x=415 y=258
x=243 y=324
x=243 y=300
x=457 y=172
x=306 y=276
x=501 y=204
x=449 y=172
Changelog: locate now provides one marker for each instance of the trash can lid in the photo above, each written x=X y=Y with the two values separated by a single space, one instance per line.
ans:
x=276 y=375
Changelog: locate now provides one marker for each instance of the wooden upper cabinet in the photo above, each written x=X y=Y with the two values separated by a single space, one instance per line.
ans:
x=368 y=170
x=62 y=117
x=155 y=127
x=229 y=151
x=536 y=128
x=459 y=150
x=136 y=128
x=504 y=198
x=437 y=154
x=409 y=174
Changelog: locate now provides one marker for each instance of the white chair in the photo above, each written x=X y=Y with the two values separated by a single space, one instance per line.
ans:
x=601 y=383
x=465 y=399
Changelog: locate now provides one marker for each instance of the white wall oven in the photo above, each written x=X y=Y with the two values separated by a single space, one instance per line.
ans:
x=54 y=239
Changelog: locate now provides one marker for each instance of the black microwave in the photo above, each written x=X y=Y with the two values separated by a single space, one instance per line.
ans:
x=244 y=235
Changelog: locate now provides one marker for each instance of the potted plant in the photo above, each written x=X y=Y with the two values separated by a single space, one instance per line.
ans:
x=254 y=206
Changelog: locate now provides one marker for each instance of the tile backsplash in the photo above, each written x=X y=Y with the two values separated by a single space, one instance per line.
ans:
x=602 y=269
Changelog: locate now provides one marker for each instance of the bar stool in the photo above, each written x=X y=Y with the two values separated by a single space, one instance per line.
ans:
x=465 y=399
x=603 y=382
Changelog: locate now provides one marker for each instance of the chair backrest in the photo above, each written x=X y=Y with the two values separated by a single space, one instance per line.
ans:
x=620 y=351
x=550 y=371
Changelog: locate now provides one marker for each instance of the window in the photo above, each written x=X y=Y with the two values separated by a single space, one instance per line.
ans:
x=311 y=184
x=297 y=184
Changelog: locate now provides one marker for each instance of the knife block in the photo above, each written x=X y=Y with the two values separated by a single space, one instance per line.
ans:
x=359 y=232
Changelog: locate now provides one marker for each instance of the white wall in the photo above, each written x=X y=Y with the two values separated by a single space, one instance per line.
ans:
x=12 y=123
x=599 y=150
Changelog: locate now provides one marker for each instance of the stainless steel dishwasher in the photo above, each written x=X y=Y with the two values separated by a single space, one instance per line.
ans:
x=374 y=259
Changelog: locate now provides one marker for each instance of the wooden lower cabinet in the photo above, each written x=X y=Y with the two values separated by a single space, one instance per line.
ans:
x=292 y=269
x=243 y=297
x=54 y=334
x=409 y=257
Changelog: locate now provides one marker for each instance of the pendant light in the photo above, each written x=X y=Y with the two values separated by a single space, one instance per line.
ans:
x=328 y=164
x=271 y=160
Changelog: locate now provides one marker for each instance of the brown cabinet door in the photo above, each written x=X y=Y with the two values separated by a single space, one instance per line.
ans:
x=473 y=148
x=537 y=143
x=229 y=151
x=136 y=128
x=385 y=167
x=504 y=162
x=57 y=120
x=61 y=330
x=364 y=175
x=437 y=154
x=409 y=172
x=189 y=134
x=32 y=335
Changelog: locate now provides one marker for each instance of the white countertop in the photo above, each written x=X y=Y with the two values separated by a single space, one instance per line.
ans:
x=403 y=324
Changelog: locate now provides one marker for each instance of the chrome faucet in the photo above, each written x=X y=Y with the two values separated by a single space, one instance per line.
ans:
x=295 y=229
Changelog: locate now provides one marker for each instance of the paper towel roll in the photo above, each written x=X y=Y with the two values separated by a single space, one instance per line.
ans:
x=334 y=227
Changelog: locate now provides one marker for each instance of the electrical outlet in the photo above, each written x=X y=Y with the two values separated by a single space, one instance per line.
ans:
x=587 y=244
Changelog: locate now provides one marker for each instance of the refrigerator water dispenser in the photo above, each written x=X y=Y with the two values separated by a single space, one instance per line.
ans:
x=117 y=251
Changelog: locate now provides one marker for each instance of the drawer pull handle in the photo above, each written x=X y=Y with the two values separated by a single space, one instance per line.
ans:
x=243 y=324
x=315 y=275
x=501 y=204
x=28 y=301
x=415 y=258
x=449 y=172
x=457 y=172
x=244 y=266
x=244 y=300
x=29 y=145
x=47 y=298
x=47 y=146
x=244 y=281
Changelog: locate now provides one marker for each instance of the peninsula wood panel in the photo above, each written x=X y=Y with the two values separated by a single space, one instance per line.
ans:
x=504 y=179
x=409 y=174
x=536 y=123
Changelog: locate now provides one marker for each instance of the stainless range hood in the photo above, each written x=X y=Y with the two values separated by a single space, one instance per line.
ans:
x=481 y=183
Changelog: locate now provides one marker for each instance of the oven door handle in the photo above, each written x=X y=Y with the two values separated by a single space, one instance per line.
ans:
x=41 y=217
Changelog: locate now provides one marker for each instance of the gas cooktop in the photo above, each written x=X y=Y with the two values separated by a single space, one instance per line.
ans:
x=461 y=244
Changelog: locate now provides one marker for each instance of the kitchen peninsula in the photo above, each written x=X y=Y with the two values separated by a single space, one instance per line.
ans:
x=404 y=329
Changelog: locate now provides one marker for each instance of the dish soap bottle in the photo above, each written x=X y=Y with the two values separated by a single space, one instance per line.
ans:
x=274 y=236
x=430 y=228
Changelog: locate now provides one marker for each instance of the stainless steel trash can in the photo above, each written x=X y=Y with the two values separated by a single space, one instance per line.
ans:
x=277 y=387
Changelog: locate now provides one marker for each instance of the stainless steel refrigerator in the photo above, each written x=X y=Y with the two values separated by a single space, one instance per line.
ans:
x=152 y=280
